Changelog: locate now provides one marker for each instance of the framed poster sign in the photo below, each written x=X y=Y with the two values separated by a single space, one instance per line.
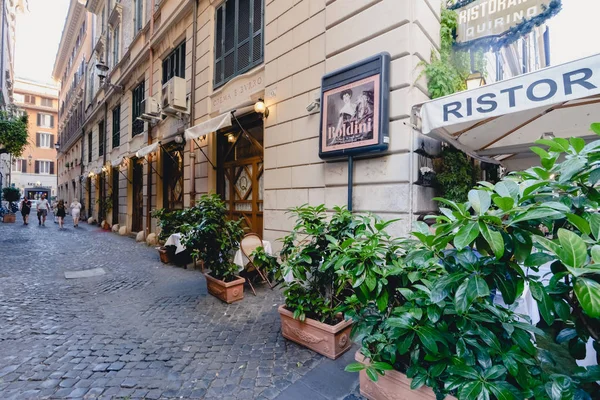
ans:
x=355 y=109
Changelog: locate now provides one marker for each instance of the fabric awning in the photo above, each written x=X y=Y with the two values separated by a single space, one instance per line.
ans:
x=507 y=117
x=144 y=151
x=206 y=127
x=117 y=161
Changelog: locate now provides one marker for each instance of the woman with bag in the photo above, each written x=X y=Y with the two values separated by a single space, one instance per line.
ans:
x=75 y=212
x=60 y=213
x=25 y=210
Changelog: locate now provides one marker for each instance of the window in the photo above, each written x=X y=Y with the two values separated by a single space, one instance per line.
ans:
x=115 y=49
x=19 y=98
x=116 y=126
x=20 y=165
x=44 y=167
x=45 y=120
x=138 y=17
x=29 y=99
x=101 y=138
x=89 y=147
x=47 y=102
x=239 y=39
x=137 y=109
x=45 y=140
x=174 y=64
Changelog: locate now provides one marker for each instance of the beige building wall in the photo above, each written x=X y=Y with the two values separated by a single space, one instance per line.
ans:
x=308 y=38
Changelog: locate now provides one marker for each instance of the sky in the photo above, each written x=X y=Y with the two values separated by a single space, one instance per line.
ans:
x=38 y=35
x=573 y=35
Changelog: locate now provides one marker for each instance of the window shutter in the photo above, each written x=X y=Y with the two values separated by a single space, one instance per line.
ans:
x=51 y=167
x=24 y=166
x=39 y=120
x=37 y=167
x=37 y=139
x=52 y=121
x=51 y=141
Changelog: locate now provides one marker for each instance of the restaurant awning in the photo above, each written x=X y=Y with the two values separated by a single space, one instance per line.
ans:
x=507 y=117
x=144 y=151
x=117 y=161
x=206 y=127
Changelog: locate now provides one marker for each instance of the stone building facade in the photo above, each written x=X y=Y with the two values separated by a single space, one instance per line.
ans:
x=229 y=54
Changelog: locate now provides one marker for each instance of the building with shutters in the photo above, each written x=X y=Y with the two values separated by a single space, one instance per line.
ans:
x=37 y=165
x=159 y=67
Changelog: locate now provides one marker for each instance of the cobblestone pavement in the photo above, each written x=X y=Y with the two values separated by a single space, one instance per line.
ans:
x=143 y=330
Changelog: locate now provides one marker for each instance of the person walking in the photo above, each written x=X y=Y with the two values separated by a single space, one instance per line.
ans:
x=42 y=210
x=61 y=213
x=25 y=210
x=75 y=212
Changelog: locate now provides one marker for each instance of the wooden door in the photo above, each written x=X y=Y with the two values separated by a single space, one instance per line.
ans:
x=138 y=195
x=240 y=177
x=115 y=195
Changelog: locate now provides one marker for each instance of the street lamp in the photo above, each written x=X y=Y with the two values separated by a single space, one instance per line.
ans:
x=475 y=80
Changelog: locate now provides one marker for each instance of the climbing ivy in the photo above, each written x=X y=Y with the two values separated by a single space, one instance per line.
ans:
x=13 y=132
x=448 y=70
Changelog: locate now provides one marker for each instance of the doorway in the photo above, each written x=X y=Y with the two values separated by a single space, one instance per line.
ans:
x=138 y=195
x=240 y=171
x=172 y=176
x=115 y=195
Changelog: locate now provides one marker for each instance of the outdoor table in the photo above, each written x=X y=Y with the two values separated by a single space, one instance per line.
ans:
x=241 y=260
x=175 y=240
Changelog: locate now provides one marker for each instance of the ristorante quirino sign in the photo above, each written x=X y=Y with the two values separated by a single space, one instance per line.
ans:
x=554 y=85
x=496 y=23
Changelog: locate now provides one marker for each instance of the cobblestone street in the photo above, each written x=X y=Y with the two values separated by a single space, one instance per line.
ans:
x=142 y=330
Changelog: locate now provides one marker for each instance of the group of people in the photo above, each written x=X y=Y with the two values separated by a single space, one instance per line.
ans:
x=43 y=208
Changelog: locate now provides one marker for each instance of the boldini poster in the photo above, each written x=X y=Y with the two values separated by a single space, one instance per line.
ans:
x=351 y=116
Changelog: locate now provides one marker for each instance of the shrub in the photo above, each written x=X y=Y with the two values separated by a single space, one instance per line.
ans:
x=11 y=194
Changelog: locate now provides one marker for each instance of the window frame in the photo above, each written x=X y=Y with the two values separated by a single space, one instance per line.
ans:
x=90 y=138
x=116 y=126
x=176 y=56
x=46 y=99
x=44 y=162
x=45 y=137
x=101 y=138
x=116 y=45
x=138 y=16
x=222 y=80
x=40 y=122
x=138 y=95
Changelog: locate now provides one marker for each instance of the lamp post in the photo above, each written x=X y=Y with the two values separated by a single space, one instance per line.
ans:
x=57 y=147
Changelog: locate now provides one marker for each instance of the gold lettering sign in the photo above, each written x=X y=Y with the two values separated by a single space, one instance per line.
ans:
x=484 y=18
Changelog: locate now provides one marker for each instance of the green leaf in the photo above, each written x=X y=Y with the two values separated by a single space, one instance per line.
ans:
x=579 y=223
x=434 y=313
x=427 y=340
x=595 y=127
x=464 y=371
x=371 y=281
x=545 y=303
x=405 y=343
x=577 y=143
x=570 y=168
x=504 y=203
x=470 y=391
x=503 y=390
x=595 y=225
x=480 y=200
x=540 y=152
x=418 y=381
x=461 y=300
x=537 y=213
x=551 y=246
x=594 y=176
x=523 y=244
x=494 y=373
x=548 y=163
x=382 y=366
x=596 y=253
x=523 y=340
x=507 y=288
x=537 y=259
x=507 y=188
x=355 y=367
x=372 y=374
x=466 y=235
x=476 y=288
x=554 y=146
x=566 y=335
x=574 y=248
x=588 y=294
x=493 y=238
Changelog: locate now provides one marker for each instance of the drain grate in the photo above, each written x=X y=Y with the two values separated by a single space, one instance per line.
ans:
x=116 y=284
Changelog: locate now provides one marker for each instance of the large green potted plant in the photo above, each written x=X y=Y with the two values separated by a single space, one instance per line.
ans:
x=213 y=239
x=10 y=194
x=314 y=293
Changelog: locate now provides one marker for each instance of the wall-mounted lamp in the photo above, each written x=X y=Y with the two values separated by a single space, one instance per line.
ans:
x=314 y=105
x=261 y=108
x=91 y=174
x=30 y=159
x=230 y=137
x=104 y=169
x=57 y=146
x=178 y=139
x=475 y=80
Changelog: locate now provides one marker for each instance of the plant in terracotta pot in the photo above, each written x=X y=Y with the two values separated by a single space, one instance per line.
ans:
x=267 y=263
x=10 y=194
x=214 y=240
x=314 y=292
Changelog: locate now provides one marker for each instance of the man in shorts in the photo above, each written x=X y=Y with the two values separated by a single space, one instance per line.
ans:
x=42 y=210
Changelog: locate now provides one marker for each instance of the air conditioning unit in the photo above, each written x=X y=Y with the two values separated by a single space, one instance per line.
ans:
x=151 y=106
x=174 y=96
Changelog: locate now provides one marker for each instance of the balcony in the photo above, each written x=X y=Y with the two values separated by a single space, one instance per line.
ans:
x=115 y=14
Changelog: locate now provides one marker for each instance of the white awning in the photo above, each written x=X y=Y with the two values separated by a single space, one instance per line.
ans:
x=507 y=117
x=117 y=161
x=206 y=127
x=144 y=151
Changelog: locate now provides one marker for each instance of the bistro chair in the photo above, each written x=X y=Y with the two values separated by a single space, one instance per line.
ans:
x=248 y=244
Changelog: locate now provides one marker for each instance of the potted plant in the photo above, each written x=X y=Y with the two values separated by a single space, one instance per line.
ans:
x=267 y=263
x=67 y=164
x=314 y=294
x=10 y=194
x=214 y=240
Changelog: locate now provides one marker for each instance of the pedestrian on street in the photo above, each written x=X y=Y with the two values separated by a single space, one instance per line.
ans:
x=25 y=210
x=42 y=210
x=75 y=212
x=61 y=213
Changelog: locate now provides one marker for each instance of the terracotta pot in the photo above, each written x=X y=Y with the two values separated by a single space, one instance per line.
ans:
x=394 y=385
x=165 y=256
x=225 y=291
x=329 y=340
x=9 y=218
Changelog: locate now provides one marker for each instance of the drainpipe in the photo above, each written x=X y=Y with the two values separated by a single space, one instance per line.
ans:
x=2 y=54
x=103 y=187
x=149 y=175
x=192 y=100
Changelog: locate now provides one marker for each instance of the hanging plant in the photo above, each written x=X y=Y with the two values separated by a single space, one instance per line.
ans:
x=13 y=132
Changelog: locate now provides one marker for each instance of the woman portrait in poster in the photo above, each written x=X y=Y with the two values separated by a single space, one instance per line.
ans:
x=347 y=111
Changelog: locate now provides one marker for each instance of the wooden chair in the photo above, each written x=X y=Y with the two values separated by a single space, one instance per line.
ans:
x=248 y=244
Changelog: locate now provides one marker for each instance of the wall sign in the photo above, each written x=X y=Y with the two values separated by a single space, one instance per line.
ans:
x=497 y=23
x=355 y=109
